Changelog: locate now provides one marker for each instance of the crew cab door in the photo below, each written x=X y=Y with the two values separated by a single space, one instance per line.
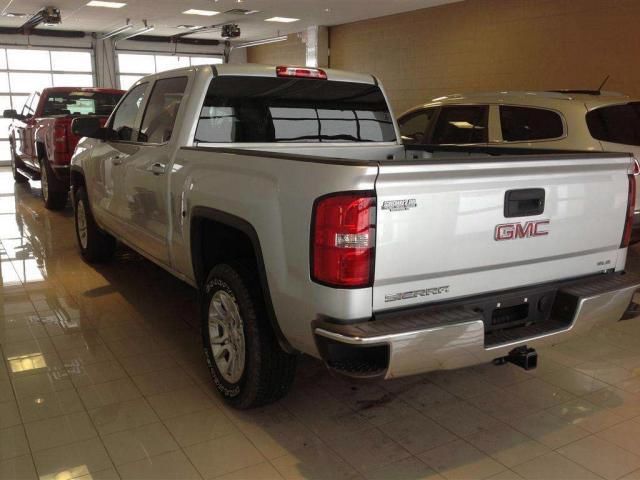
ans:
x=25 y=132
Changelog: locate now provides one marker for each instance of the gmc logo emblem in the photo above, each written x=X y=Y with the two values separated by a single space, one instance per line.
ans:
x=513 y=231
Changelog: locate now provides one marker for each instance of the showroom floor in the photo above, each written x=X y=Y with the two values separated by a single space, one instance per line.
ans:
x=103 y=378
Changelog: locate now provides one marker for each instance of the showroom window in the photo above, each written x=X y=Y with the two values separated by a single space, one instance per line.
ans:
x=461 y=124
x=24 y=71
x=133 y=66
x=522 y=124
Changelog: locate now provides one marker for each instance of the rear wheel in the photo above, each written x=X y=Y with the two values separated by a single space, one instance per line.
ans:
x=53 y=193
x=95 y=244
x=17 y=176
x=248 y=366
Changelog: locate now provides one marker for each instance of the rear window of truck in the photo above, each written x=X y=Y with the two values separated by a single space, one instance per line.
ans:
x=81 y=103
x=261 y=109
x=616 y=123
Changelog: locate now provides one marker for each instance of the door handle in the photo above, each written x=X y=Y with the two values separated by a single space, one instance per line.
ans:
x=157 y=168
x=117 y=160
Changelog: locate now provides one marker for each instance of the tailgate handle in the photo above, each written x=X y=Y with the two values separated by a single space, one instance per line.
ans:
x=524 y=203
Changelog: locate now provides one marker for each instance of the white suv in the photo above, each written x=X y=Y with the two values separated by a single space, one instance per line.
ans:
x=558 y=120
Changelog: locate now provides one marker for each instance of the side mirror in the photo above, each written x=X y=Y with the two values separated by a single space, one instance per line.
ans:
x=88 y=127
x=11 y=114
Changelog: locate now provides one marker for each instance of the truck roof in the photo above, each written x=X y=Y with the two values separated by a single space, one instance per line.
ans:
x=256 y=70
x=81 y=89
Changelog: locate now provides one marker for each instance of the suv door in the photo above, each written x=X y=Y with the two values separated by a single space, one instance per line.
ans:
x=461 y=125
x=105 y=168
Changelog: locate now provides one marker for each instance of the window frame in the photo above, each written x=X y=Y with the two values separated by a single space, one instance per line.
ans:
x=148 y=100
x=498 y=119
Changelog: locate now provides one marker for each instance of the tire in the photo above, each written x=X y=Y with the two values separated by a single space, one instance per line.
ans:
x=53 y=193
x=262 y=371
x=96 y=245
x=17 y=176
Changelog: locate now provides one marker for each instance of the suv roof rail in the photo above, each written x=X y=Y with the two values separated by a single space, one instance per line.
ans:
x=570 y=91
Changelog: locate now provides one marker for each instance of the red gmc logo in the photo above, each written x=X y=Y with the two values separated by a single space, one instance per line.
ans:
x=513 y=231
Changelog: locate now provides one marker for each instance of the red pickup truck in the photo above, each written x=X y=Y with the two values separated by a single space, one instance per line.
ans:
x=41 y=139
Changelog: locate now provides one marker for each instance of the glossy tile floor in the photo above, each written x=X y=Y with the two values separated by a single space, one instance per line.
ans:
x=103 y=378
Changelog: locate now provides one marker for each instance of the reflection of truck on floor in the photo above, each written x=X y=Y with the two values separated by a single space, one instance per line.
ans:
x=285 y=195
x=41 y=139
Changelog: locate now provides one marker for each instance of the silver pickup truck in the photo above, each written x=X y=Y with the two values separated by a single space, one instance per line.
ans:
x=286 y=196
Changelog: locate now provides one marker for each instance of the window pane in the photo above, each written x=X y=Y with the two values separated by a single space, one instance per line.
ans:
x=413 y=127
x=524 y=123
x=124 y=121
x=5 y=103
x=29 y=59
x=127 y=80
x=3 y=59
x=28 y=82
x=162 y=110
x=460 y=125
x=616 y=124
x=80 y=103
x=205 y=60
x=71 y=61
x=169 y=62
x=18 y=101
x=5 y=150
x=72 y=80
x=131 y=63
x=4 y=127
x=4 y=82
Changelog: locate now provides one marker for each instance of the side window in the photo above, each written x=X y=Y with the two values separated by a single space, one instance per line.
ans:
x=616 y=123
x=524 y=123
x=162 y=110
x=124 y=119
x=461 y=124
x=27 y=109
x=414 y=126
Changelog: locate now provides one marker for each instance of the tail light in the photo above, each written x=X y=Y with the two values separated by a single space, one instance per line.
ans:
x=343 y=240
x=631 y=205
x=60 y=139
x=301 y=72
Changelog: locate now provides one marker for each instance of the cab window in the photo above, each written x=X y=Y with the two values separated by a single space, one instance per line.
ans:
x=162 y=110
x=414 y=126
x=461 y=124
x=124 y=119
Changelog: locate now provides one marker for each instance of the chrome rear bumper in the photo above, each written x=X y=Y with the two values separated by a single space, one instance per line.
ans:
x=455 y=338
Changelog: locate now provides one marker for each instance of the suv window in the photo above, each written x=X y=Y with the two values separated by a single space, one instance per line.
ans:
x=162 y=110
x=124 y=119
x=262 y=109
x=414 y=126
x=526 y=123
x=616 y=124
x=461 y=124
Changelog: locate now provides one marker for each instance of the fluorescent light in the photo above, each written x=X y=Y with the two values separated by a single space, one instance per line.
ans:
x=100 y=3
x=206 y=13
x=282 y=19
x=264 y=41
x=117 y=31
x=136 y=33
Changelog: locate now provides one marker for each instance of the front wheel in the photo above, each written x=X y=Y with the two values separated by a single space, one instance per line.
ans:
x=95 y=244
x=248 y=366
x=53 y=194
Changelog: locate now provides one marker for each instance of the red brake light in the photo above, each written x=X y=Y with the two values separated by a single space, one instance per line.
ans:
x=60 y=138
x=301 y=72
x=631 y=206
x=343 y=240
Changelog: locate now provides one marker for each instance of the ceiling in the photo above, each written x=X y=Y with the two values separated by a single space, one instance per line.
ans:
x=165 y=15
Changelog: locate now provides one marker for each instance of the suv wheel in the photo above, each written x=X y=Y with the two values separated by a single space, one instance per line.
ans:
x=248 y=366
x=95 y=244
x=53 y=194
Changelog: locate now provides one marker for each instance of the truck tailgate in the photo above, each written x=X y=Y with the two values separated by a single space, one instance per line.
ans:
x=443 y=231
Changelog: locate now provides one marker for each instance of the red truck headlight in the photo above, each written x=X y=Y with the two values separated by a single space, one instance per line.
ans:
x=343 y=239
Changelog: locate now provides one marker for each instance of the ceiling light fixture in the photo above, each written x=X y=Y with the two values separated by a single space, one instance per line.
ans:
x=101 y=3
x=282 y=19
x=264 y=41
x=15 y=14
x=189 y=27
x=205 y=13
x=137 y=32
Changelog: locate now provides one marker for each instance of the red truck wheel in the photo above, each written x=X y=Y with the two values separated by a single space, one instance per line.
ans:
x=53 y=194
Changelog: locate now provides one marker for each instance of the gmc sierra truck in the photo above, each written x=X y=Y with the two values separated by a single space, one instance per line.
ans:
x=285 y=195
x=40 y=136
